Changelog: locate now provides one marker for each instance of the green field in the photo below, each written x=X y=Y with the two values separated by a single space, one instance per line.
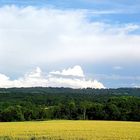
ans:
x=70 y=130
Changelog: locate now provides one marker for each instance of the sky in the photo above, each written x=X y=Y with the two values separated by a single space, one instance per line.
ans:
x=70 y=43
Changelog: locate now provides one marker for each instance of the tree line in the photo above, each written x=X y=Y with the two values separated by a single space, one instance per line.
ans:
x=60 y=103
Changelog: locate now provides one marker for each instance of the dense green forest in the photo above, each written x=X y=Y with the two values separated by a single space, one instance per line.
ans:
x=25 y=104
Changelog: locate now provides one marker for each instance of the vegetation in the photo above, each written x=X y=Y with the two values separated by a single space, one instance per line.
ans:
x=26 y=104
x=70 y=130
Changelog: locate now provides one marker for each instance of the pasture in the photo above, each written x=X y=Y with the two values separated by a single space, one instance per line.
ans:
x=70 y=130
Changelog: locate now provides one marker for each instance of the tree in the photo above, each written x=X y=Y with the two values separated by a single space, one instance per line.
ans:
x=84 y=106
x=12 y=113
x=96 y=112
x=113 y=112
x=72 y=110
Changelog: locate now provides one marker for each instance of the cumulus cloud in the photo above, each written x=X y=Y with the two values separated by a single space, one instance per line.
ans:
x=32 y=79
x=75 y=71
x=41 y=36
x=71 y=77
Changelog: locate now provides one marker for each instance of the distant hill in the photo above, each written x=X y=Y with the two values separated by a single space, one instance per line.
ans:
x=49 y=95
x=117 y=91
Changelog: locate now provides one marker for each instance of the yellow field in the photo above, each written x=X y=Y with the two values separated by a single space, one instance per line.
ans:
x=70 y=130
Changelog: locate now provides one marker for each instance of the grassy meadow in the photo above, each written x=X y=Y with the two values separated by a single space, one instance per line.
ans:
x=70 y=130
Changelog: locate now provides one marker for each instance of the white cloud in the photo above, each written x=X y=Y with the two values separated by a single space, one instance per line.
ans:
x=32 y=79
x=4 y=81
x=117 y=68
x=71 y=77
x=31 y=36
x=75 y=71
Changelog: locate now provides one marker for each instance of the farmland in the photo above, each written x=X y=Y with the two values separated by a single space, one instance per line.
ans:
x=73 y=130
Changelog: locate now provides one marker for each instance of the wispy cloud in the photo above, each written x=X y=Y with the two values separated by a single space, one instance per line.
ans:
x=50 y=36
x=99 y=6
x=112 y=77
x=117 y=68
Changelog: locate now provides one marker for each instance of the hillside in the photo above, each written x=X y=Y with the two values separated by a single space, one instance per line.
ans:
x=18 y=104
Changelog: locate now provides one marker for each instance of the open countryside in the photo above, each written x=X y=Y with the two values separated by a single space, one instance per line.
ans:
x=70 y=130
x=69 y=69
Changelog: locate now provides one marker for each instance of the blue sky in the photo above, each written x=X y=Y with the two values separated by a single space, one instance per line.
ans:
x=102 y=37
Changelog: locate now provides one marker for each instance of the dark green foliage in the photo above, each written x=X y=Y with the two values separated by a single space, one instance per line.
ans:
x=26 y=104
x=12 y=113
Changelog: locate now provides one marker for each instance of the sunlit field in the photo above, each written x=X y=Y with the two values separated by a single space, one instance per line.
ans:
x=70 y=130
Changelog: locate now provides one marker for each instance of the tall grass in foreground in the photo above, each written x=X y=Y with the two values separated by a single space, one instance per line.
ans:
x=70 y=130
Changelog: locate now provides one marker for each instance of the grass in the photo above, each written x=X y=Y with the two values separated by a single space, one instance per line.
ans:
x=70 y=130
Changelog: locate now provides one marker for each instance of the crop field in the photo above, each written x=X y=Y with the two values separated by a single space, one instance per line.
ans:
x=70 y=130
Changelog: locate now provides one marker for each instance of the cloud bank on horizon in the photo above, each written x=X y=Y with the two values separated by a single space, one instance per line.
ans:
x=101 y=36
x=71 y=77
